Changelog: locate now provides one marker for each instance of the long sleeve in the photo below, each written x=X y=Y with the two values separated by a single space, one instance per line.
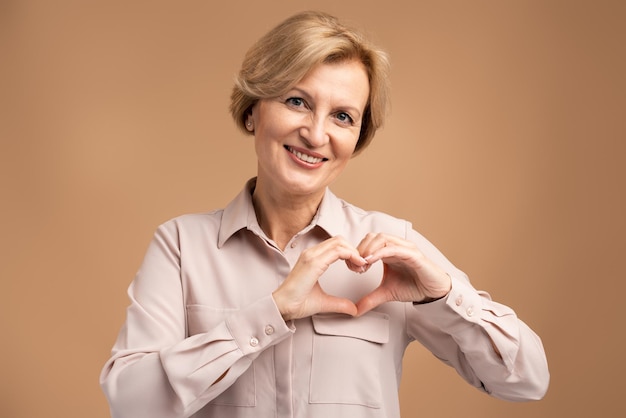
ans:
x=203 y=336
x=156 y=369
x=485 y=341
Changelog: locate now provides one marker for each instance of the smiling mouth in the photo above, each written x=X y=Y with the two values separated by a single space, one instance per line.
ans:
x=305 y=157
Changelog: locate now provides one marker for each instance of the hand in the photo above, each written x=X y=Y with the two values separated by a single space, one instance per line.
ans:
x=408 y=276
x=300 y=295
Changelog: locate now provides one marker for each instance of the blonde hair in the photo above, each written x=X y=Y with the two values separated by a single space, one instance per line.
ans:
x=284 y=56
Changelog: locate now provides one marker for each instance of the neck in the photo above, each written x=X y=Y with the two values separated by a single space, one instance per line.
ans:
x=283 y=215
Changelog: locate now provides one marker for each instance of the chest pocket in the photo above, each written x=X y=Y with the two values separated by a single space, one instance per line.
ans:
x=347 y=359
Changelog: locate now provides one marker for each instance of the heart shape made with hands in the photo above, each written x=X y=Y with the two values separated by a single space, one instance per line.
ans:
x=407 y=276
x=399 y=282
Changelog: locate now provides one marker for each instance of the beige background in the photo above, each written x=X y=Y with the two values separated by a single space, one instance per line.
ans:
x=505 y=147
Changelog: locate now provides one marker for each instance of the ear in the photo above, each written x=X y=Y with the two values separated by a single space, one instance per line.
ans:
x=249 y=123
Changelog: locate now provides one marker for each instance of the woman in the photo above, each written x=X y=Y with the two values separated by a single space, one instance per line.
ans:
x=291 y=302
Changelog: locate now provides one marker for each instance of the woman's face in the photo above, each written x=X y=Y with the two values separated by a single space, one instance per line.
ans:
x=305 y=138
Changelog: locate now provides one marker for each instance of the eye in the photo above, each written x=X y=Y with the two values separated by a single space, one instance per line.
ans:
x=295 y=101
x=345 y=118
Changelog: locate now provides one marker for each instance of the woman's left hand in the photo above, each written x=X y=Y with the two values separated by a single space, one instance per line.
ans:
x=408 y=276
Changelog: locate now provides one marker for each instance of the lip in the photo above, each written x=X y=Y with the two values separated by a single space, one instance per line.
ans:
x=305 y=157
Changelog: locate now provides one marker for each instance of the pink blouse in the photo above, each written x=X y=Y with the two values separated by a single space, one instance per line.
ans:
x=201 y=305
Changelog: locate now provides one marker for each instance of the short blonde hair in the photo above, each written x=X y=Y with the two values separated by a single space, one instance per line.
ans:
x=284 y=56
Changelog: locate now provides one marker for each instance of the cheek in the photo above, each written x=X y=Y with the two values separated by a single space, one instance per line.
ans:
x=347 y=145
x=265 y=133
x=278 y=126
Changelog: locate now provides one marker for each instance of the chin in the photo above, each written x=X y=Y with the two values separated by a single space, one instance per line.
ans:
x=305 y=186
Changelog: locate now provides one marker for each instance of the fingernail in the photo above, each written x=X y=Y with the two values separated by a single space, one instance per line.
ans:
x=368 y=258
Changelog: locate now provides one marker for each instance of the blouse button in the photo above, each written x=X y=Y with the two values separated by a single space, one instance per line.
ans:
x=470 y=311
x=254 y=341
x=459 y=300
x=269 y=330
x=294 y=244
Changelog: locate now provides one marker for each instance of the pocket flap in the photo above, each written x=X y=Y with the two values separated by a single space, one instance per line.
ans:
x=372 y=326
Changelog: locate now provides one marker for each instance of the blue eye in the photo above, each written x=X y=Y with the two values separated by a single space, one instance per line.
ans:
x=344 y=117
x=295 y=101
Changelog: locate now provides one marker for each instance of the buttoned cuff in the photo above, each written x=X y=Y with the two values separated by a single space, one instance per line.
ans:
x=452 y=313
x=258 y=326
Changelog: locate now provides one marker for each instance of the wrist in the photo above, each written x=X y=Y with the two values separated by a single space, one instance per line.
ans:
x=282 y=306
x=428 y=300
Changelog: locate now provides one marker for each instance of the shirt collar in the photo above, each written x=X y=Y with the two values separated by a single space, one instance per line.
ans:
x=239 y=214
x=330 y=216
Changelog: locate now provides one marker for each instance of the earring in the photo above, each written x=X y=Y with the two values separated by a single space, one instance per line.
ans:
x=249 y=125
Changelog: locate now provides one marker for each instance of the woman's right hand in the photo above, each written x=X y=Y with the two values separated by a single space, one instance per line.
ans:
x=301 y=296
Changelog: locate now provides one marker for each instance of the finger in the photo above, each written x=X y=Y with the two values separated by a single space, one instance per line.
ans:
x=337 y=248
x=334 y=304
x=357 y=268
x=392 y=254
x=357 y=263
x=370 y=301
x=374 y=242
x=315 y=261
x=392 y=249
x=366 y=245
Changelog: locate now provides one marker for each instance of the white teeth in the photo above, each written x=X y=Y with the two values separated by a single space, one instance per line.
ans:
x=304 y=157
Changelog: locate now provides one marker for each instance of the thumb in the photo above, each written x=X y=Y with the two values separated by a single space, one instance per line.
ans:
x=334 y=304
x=373 y=299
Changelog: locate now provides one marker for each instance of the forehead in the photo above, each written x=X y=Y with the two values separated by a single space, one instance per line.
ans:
x=344 y=81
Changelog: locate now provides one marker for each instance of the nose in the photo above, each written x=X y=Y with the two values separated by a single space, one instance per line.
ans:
x=314 y=131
